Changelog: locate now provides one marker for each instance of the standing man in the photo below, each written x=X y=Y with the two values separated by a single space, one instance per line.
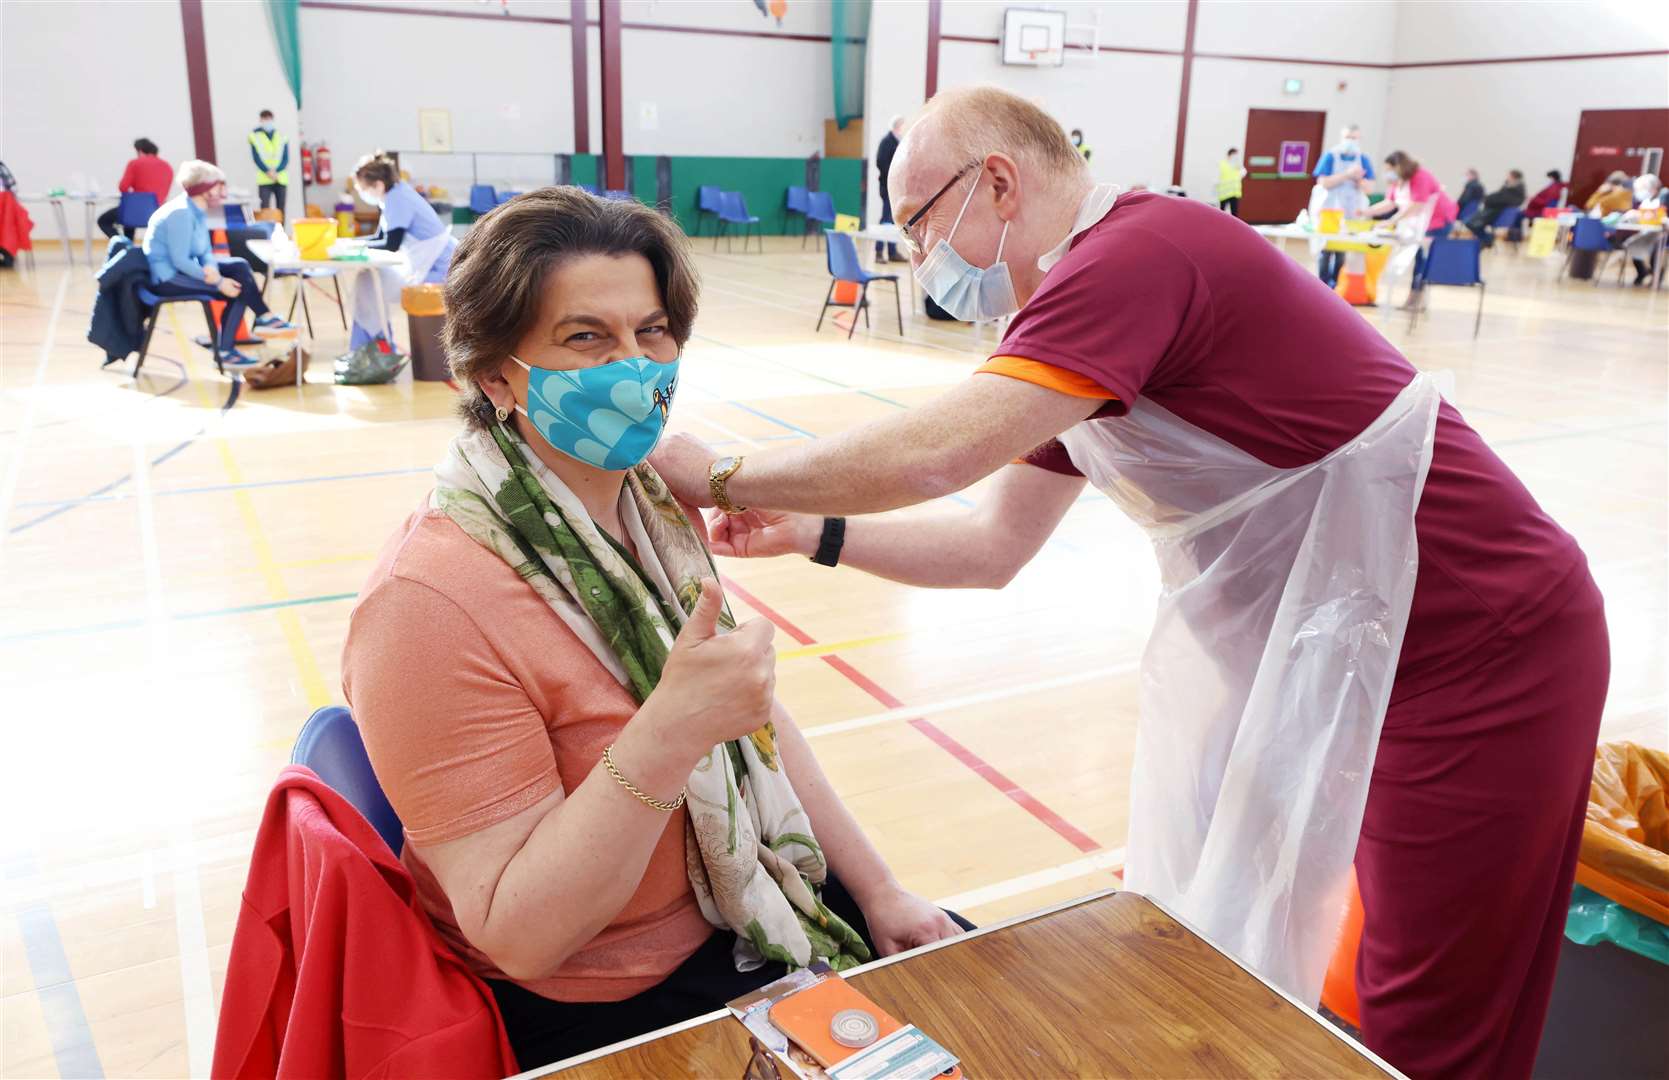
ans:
x=271 y=152
x=1229 y=176
x=1372 y=645
x=1346 y=173
x=883 y=165
x=1078 y=142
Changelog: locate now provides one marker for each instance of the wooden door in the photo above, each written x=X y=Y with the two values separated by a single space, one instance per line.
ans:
x=1632 y=140
x=1276 y=190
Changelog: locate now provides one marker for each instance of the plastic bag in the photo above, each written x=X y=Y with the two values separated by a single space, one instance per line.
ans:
x=1625 y=841
x=1593 y=919
x=369 y=365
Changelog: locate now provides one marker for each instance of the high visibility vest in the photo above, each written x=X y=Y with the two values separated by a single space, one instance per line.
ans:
x=1228 y=181
x=270 y=149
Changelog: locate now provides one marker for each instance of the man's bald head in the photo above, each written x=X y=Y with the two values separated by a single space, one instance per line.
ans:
x=963 y=125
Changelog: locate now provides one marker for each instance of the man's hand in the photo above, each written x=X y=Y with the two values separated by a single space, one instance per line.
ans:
x=760 y=534
x=683 y=462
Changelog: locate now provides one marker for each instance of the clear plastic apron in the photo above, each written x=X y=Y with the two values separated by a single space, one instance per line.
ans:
x=1285 y=593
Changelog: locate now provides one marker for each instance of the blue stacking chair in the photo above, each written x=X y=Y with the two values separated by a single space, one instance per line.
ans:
x=589 y=189
x=1455 y=261
x=706 y=206
x=821 y=209
x=733 y=210
x=135 y=209
x=797 y=201
x=618 y=194
x=154 y=305
x=844 y=266
x=330 y=745
x=1509 y=219
x=1468 y=210
x=1589 y=234
x=482 y=198
x=234 y=216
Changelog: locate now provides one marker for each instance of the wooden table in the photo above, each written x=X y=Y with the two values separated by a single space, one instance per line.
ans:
x=1109 y=985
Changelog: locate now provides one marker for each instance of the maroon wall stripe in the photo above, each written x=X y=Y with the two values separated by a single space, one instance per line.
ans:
x=614 y=156
x=1075 y=45
x=1182 y=97
x=1294 y=60
x=197 y=78
x=582 y=78
x=933 y=13
x=1530 y=59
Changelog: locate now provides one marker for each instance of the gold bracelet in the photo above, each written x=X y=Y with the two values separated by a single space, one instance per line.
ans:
x=643 y=797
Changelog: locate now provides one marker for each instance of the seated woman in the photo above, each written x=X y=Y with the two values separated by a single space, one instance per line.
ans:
x=183 y=262
x=607 y=812
x=1642 y=247
x=1415 y=195
x=146 y=172
x=408 y=224
x=1612 y=197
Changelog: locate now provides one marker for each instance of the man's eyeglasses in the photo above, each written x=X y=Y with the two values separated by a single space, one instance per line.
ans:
x=912 y=246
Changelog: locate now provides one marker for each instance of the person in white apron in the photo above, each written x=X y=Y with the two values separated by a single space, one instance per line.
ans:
x=408 y=225
x=1342 y=176
x=1370 y=644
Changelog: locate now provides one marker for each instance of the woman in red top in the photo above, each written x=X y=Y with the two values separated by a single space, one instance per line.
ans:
x=146 y=172
x=1416 y=192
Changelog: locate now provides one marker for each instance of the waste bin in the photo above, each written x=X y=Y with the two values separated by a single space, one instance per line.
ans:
x=1582 y=262
x=425 y=307
x=1609 y=1013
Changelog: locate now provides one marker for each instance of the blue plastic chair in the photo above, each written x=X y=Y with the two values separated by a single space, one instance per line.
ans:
x=330 y=745
x=234 y=216
x=589 y=189
x=482 y=198
x=706 y=206
x=797 y=201
x=1509 y=219
x=1455 y=261
x=844 y=266
x=618 y=195
x=820 y=208
x=1589 y=234
x=1467 y=210
x=154 y=305
x=135 y=209
x=733 y=210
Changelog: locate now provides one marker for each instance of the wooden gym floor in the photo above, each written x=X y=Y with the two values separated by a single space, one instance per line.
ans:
x=177 y=564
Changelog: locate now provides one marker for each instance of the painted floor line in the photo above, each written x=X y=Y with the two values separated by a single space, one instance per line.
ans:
x=1109 y=861
x=14 y=468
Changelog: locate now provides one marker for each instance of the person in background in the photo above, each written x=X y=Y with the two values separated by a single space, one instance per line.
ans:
x=1078 y=141
x=541 y=669
x=7 y=181
x=883 y=164
x=184 y=264
x=1229 y=175
x=1346 y=173
x=1612 y=197
x=1641 y=248
x=1412 y=195
x=1473 y=192
x=146 y=172
x=1553 y=195
x=1505 y=197
x=408 y=224
x=271 y=152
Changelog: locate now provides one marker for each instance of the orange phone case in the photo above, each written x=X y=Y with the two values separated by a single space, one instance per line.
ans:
x=805 y=1017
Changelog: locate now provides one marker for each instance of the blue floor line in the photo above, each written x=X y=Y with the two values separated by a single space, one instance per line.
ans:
x=60 y=1001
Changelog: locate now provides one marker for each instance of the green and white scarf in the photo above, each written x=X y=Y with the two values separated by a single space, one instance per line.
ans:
x=749 y=849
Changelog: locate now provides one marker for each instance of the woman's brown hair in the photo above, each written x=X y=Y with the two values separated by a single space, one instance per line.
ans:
x=497 y=279
x=377 y=167
x=1405 y=166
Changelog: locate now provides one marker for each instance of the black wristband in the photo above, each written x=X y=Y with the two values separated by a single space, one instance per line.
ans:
x=834 y=537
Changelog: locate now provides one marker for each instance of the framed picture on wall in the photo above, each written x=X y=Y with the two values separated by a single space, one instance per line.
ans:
x=434 y=131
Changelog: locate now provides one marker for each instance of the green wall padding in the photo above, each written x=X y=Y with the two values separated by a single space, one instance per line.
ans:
x=763 y=182
x=843 y=178
x=582 y=170
x=644 y=186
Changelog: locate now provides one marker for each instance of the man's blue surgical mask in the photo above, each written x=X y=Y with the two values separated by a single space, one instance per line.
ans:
x=1350 y=147
x=609 y=416
x=266 y=126
x=965 y=291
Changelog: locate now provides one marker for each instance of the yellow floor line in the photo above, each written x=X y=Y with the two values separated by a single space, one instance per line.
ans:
x=826 y=647
x=301 y=653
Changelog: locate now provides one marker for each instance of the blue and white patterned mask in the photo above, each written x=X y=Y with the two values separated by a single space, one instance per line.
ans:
x=609 y=416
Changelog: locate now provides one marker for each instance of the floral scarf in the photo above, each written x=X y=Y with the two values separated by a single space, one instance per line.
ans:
x=751 y=857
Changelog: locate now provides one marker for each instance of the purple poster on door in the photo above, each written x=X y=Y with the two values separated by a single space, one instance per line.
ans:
x=1295 y=158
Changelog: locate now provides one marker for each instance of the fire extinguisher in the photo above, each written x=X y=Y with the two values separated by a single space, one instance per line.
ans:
x=306 y=164
x=322 y=168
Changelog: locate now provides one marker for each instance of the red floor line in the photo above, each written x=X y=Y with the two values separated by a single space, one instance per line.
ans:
x=984 y=769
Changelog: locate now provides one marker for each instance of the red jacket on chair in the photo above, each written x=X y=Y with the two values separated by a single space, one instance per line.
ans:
x=335 y=971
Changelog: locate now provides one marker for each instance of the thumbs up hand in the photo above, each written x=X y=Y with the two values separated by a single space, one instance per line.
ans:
x=717 y=686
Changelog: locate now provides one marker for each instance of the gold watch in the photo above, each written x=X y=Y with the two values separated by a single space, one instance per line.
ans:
x=717 y=475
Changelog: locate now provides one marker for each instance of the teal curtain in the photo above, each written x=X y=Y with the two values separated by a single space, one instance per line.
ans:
x=284 y=18
x=848 y=36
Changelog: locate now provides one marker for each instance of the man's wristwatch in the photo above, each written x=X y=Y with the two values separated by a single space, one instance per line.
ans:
x=718 y=474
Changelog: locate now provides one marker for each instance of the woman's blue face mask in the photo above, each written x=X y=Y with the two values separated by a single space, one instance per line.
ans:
x=609 y=416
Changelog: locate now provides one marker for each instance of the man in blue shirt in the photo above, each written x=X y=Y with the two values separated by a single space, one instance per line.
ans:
x=1345 y=172
x=183 y=262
